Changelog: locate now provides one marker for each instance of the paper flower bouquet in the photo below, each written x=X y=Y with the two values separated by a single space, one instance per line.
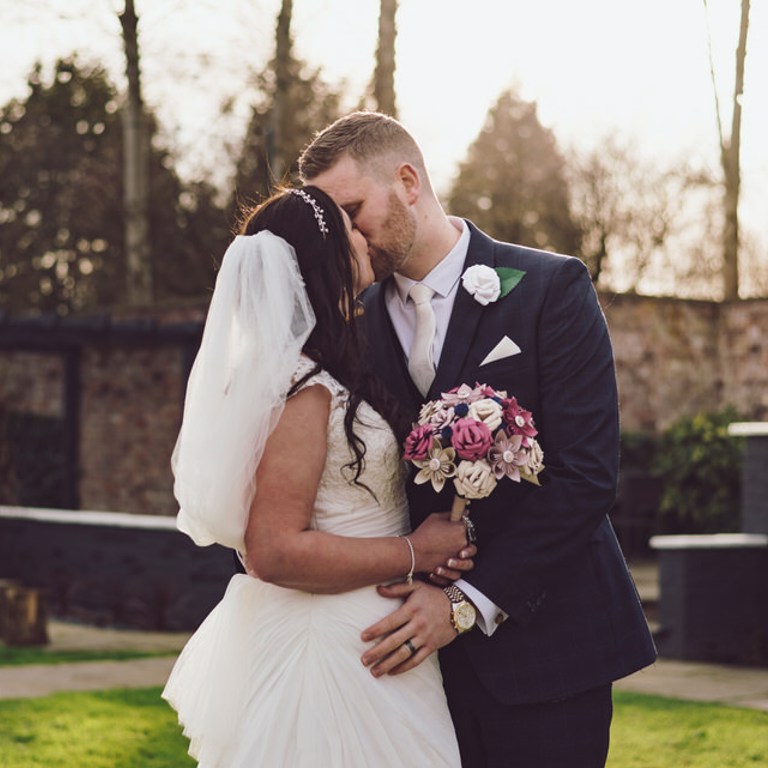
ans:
x=476 y=437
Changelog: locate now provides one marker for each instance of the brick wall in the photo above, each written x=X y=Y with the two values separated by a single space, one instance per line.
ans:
x=32 y=382
x=131 y=405
x=116 y=385
x=667 y=359
x=743 y=351
x=673 y=358
x=676 y=358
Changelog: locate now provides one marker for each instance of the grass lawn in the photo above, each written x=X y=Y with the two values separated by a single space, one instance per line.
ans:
x=656 y=732
x=19 y=656
x=132 y=729
x=107 y=729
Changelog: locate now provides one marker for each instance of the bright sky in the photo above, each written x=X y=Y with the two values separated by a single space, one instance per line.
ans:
x=595 y=67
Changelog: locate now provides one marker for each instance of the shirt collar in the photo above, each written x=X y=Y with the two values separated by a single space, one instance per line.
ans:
x=446 y=273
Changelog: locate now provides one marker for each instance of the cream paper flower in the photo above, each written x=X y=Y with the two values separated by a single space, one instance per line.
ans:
x=488 y=411
x=437 y=467
x=474 y=479
x=535 y=463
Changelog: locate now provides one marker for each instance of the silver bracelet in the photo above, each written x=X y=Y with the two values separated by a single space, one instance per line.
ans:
x=409 y=575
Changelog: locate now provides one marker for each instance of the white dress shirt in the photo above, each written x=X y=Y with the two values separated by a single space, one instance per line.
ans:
x=444 y=280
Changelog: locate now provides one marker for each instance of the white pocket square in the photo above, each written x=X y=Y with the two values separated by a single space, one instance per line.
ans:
x=505 y=348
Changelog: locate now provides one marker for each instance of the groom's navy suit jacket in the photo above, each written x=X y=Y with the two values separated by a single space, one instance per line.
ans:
x=547 y=555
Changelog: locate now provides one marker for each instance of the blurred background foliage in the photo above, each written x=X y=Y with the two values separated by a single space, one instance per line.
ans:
x=69 y=234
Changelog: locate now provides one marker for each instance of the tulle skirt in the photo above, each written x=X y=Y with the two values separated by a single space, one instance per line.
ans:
x=273 y=678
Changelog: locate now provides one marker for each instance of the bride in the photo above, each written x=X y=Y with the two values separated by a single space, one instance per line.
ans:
x=288 y=454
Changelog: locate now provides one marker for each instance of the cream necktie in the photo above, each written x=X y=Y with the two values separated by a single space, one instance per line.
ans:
x=420 y=363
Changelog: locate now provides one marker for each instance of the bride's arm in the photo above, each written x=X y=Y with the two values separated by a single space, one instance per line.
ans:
x=280 y=546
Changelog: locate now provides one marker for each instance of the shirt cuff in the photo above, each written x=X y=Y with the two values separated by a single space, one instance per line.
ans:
x=489 y=615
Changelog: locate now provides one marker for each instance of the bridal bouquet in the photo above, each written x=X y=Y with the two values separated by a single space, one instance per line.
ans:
x=475 y=436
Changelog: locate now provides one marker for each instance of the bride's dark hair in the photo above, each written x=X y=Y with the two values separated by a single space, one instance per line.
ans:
x=326 y=263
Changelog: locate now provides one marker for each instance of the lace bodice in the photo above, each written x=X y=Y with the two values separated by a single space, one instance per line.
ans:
x=341 y=506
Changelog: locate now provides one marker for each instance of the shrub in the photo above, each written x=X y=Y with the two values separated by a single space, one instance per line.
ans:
x=700 y=466
x=638 y=450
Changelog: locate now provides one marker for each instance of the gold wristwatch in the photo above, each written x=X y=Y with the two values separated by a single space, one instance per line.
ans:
x=463 y=613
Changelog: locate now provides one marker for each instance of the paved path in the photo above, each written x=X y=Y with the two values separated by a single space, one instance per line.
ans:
x=36 y=680
x=66 y=636
x=694 y=681
x=738 y=686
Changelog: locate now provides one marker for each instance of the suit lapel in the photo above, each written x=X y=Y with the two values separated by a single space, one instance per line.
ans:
x=465 y=317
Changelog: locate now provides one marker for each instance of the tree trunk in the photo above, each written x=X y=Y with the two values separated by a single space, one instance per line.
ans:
x=277 y=130
x=384 y=75
x=732 y=169
x=136 y=170
x=24 y=620
x=6 y=588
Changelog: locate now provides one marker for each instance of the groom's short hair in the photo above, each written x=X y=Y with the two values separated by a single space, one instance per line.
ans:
x=367 y=137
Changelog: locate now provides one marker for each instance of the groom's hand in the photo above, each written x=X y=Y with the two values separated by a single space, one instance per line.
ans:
x=424 y=619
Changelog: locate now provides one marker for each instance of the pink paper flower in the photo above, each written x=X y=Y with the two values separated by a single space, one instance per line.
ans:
x=463 y=394
x=418 y=442
x=507 y=456
x=518 y=420
x=487 y=391
x=471 y=439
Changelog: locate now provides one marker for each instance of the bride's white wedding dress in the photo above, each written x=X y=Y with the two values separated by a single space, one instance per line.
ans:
x=273 y=676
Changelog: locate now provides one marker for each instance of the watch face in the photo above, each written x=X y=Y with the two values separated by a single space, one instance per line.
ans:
x=464 y=616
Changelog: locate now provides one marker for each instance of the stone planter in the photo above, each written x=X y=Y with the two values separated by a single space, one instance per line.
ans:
x=713 y=591
x=113 y=569
x=754 y=475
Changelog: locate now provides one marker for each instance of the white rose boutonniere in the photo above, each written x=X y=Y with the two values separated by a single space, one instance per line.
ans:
x=487 y=285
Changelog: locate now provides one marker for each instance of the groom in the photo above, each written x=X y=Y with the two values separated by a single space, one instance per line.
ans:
x=532 y=638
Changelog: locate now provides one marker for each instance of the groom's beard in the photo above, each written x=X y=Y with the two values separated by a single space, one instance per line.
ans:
x=398 y=233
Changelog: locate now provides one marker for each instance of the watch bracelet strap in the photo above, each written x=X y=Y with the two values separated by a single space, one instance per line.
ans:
x=455 y=595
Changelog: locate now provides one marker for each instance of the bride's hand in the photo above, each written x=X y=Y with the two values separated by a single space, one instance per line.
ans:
x=455 y=567
x=441 y=547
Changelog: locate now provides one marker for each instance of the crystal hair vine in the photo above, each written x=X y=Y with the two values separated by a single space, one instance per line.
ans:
x=318 y=211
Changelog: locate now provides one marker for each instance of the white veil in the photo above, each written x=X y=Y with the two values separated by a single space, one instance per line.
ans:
x=258 y=321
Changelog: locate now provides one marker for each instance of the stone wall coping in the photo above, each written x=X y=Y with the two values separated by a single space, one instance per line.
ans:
x=710 y=541
x=748 y=429
x=88 y=517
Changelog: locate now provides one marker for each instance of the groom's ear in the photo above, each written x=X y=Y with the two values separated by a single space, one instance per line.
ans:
x=409 y=178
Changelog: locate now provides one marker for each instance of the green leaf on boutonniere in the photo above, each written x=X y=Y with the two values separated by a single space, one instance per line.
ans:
x=509 y=277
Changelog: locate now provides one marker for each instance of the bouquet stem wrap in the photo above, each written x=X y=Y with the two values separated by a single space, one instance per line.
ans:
x=457 y=510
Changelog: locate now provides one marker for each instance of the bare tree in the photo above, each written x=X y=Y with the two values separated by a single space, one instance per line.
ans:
x=277 y=130
x=729 y=159
x=384 y=74
x=291 y=101
x=136 y=159
x=640 y=221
